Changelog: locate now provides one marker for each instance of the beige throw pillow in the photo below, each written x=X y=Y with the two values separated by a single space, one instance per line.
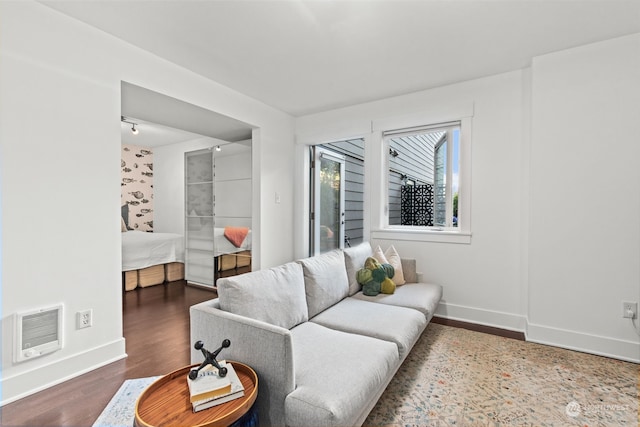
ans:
x=380 y=257
x=394 y=259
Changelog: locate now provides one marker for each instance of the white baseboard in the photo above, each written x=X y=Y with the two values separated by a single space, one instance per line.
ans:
x=29 y=382
x=586 y=343
x=496 y=319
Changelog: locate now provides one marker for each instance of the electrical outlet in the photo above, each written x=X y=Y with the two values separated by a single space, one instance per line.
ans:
x=629 y=309
x=84 y=319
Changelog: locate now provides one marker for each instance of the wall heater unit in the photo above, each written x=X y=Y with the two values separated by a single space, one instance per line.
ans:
x=37 y=332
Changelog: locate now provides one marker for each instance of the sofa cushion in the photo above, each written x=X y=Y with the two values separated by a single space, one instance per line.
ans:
x=354 y=259
x=337 y=374
x=423 y=297
x=399 y=325
x=325 y=280
x=275 y=295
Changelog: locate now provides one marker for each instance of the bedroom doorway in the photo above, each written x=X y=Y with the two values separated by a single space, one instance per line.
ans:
x=157 y=114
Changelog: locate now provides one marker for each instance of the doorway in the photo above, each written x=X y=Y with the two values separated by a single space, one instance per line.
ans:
x=205 y=129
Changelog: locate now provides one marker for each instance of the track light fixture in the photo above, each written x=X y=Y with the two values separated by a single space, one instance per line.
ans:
x=133 y=125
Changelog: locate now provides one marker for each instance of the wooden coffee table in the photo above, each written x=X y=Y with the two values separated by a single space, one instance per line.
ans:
x=166 y=402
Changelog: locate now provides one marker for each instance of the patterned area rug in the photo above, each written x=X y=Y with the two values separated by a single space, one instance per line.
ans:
x=456 y=377
x=120 y=412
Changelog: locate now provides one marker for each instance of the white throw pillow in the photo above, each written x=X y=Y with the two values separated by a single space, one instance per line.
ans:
x=394 y=259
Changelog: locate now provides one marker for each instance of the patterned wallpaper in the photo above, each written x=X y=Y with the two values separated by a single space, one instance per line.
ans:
x=137 y=186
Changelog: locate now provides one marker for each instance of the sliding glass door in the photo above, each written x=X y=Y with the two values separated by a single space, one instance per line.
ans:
x=327 y=216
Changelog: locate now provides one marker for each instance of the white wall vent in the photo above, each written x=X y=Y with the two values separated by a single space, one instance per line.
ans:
x=37 y=332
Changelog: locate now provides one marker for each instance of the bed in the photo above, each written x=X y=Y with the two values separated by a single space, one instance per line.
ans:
x=232 y=239
x=232 y=250
x=211 y=250
x=151 y=258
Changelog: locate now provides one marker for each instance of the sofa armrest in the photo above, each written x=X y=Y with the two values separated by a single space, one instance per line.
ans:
x=409 y=270
x=266 y=348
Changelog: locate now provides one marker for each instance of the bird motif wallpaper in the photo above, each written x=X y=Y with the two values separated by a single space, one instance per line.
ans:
x=137 y=186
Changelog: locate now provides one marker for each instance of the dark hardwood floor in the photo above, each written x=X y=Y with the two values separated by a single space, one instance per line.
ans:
x=156 y=329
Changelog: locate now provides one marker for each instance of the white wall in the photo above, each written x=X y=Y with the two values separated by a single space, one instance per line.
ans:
x=555 y=210
x=481 y=279
x=585 y=203
x=60 y=84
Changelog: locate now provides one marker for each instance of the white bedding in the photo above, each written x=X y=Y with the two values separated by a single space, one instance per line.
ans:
x=224 y=246
x=141 y=249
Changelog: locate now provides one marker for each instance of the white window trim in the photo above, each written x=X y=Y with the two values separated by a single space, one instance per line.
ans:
x=380 y=230
x=416 y=234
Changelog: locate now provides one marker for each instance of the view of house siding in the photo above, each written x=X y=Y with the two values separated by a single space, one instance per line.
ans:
x=411 y=157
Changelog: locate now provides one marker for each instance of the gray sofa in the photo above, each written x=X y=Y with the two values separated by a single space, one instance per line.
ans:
x=324 y=352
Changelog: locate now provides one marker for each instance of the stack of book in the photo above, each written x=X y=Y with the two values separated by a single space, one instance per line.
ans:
x=209 y=389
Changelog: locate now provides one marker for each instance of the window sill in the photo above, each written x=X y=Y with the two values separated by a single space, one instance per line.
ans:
x=438 y=236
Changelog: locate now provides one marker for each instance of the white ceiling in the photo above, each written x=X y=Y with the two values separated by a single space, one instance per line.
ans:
x=309 y=56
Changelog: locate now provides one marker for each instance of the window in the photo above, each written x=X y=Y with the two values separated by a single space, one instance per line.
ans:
x=423 y=177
